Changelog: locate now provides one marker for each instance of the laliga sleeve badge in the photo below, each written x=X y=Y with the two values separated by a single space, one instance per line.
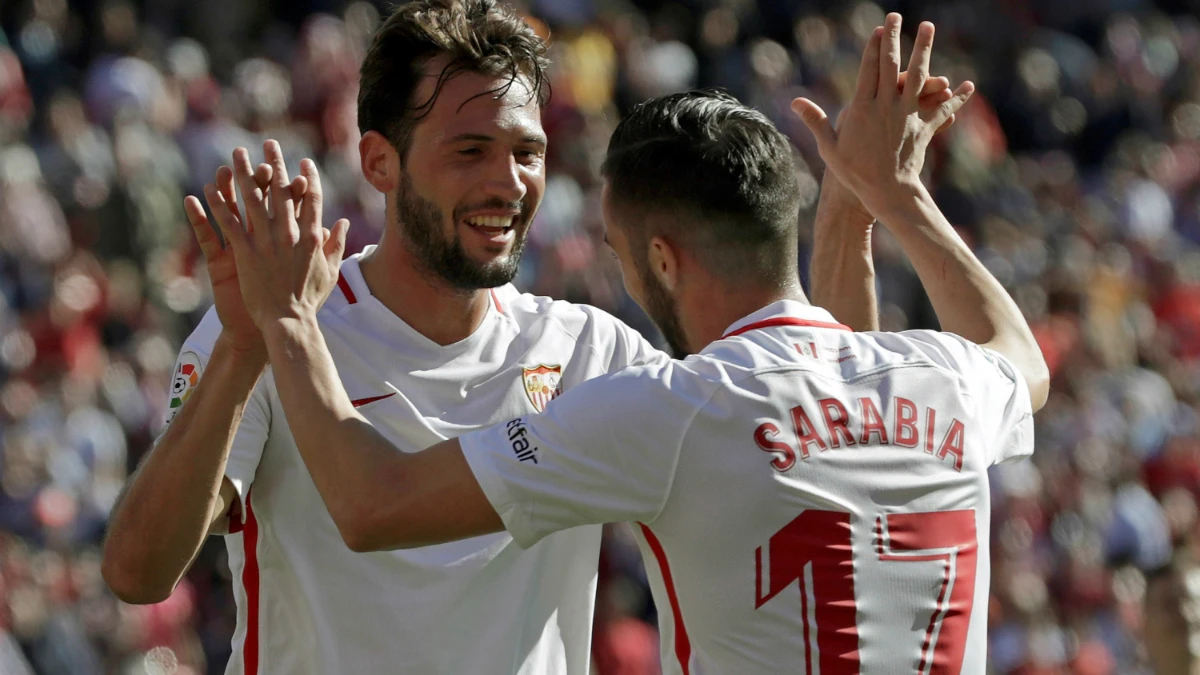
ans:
x=184 y=381
x=542 y=384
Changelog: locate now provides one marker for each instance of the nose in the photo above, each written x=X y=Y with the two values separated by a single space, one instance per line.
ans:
x=507 y=180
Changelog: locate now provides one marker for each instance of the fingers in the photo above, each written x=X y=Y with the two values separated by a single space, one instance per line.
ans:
x=262 y=176
x=818 y=123
x=941 y=114
x=868 y=72
x=210 y=245
x=253 y=197
x=334 y=246
x=282 y=206
x=933 y=100
x=889 y=58
x=231 y=229
x=310 y=208
x=945 y=125
x=934 y=86
x=918 y=63
x=227 y=189
x=298 y=188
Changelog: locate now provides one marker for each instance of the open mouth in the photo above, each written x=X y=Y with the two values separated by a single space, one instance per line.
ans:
x=496 y=228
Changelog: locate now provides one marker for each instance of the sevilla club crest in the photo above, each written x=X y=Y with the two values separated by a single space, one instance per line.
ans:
x=542 y=384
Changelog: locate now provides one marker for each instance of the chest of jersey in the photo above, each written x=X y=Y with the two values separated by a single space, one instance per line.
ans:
x=427 y=395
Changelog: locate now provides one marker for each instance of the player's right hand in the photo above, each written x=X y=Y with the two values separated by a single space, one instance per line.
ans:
x=287 y=263
x=879 y=149
x=237 y=327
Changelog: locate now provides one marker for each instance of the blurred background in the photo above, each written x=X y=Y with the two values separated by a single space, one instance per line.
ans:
x=1074 y=173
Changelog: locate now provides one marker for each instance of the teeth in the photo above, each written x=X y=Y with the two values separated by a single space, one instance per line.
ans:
x=496 y=222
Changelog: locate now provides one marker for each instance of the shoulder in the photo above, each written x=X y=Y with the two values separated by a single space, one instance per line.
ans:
x=577 y=320
x=204 y=336
x=945 y=350
x=687 y=384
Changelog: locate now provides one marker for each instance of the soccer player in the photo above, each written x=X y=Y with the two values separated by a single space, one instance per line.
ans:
x=432 y=342
x=807 y=498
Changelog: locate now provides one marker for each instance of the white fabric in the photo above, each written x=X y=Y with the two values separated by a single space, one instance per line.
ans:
x=482 y=605
x=698 y=452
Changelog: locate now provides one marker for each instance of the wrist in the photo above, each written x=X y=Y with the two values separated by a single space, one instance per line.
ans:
x=245 y=354
x=898 y=202
x=289 y=330
x=838 y=204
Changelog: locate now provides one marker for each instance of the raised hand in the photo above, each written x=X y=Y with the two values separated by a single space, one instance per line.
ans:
x=883 y=134
x=840 y=199
x=238 y=328
x=287 y=264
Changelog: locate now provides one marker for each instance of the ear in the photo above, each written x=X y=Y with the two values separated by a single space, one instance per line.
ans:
x=380 y=162
x=664 y=262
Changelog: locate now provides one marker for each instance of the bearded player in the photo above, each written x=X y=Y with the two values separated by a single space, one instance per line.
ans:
x=806 y=497
x=431 y=341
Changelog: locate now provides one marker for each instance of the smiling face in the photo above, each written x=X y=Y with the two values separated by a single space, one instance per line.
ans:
x=472 y=178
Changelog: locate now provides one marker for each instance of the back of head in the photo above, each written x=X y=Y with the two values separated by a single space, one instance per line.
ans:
x=480 y=36
x=718 y=177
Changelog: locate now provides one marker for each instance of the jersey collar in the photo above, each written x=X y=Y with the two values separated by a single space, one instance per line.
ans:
x=784 y=313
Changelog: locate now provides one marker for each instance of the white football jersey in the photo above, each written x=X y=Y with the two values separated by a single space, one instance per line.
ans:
x=309 y=605
x=807 y=499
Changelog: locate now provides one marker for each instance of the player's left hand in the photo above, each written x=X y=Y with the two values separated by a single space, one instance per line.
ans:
x=880 y=148
x=839 y=198
x=287 y=263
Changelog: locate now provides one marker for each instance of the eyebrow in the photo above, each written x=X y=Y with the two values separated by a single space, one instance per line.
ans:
x=484 y=138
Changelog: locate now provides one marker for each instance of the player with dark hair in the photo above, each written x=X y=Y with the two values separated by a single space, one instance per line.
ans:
x=432 y=342
x=806 y=497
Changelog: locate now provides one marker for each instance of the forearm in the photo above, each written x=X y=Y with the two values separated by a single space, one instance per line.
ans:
x=164 y=514
x=355 y=469
x=967 y=299
x=843 y=268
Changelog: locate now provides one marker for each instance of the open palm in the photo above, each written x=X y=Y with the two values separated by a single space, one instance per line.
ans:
x=236 y=322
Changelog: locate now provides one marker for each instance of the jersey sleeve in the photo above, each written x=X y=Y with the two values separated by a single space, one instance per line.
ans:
x=1000 y=392
x=623 y=346
x=251 y=435
x=603 y=452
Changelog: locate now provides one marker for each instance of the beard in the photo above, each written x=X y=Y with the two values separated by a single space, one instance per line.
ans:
x=664 y=312
x=443 y=256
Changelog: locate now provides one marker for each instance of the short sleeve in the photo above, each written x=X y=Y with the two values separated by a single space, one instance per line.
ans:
x=605 y=451
x=255 y=426
x=622 y=345
x=999 y=390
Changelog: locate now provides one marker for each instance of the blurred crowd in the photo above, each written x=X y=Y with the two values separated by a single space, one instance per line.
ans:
x=1074 y=173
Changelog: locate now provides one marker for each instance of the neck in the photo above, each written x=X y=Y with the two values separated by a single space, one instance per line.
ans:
x=441 y=312
x=706 y=312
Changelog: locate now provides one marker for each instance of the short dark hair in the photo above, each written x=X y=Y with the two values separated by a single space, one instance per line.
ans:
x=480 y=36
x=720 y=171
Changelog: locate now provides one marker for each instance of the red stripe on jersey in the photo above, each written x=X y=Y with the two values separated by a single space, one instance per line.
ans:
x=683 y=646
x=496 y=301
x=250 y=583
x=784 y=321
x=363 y=401
x=346 y=290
